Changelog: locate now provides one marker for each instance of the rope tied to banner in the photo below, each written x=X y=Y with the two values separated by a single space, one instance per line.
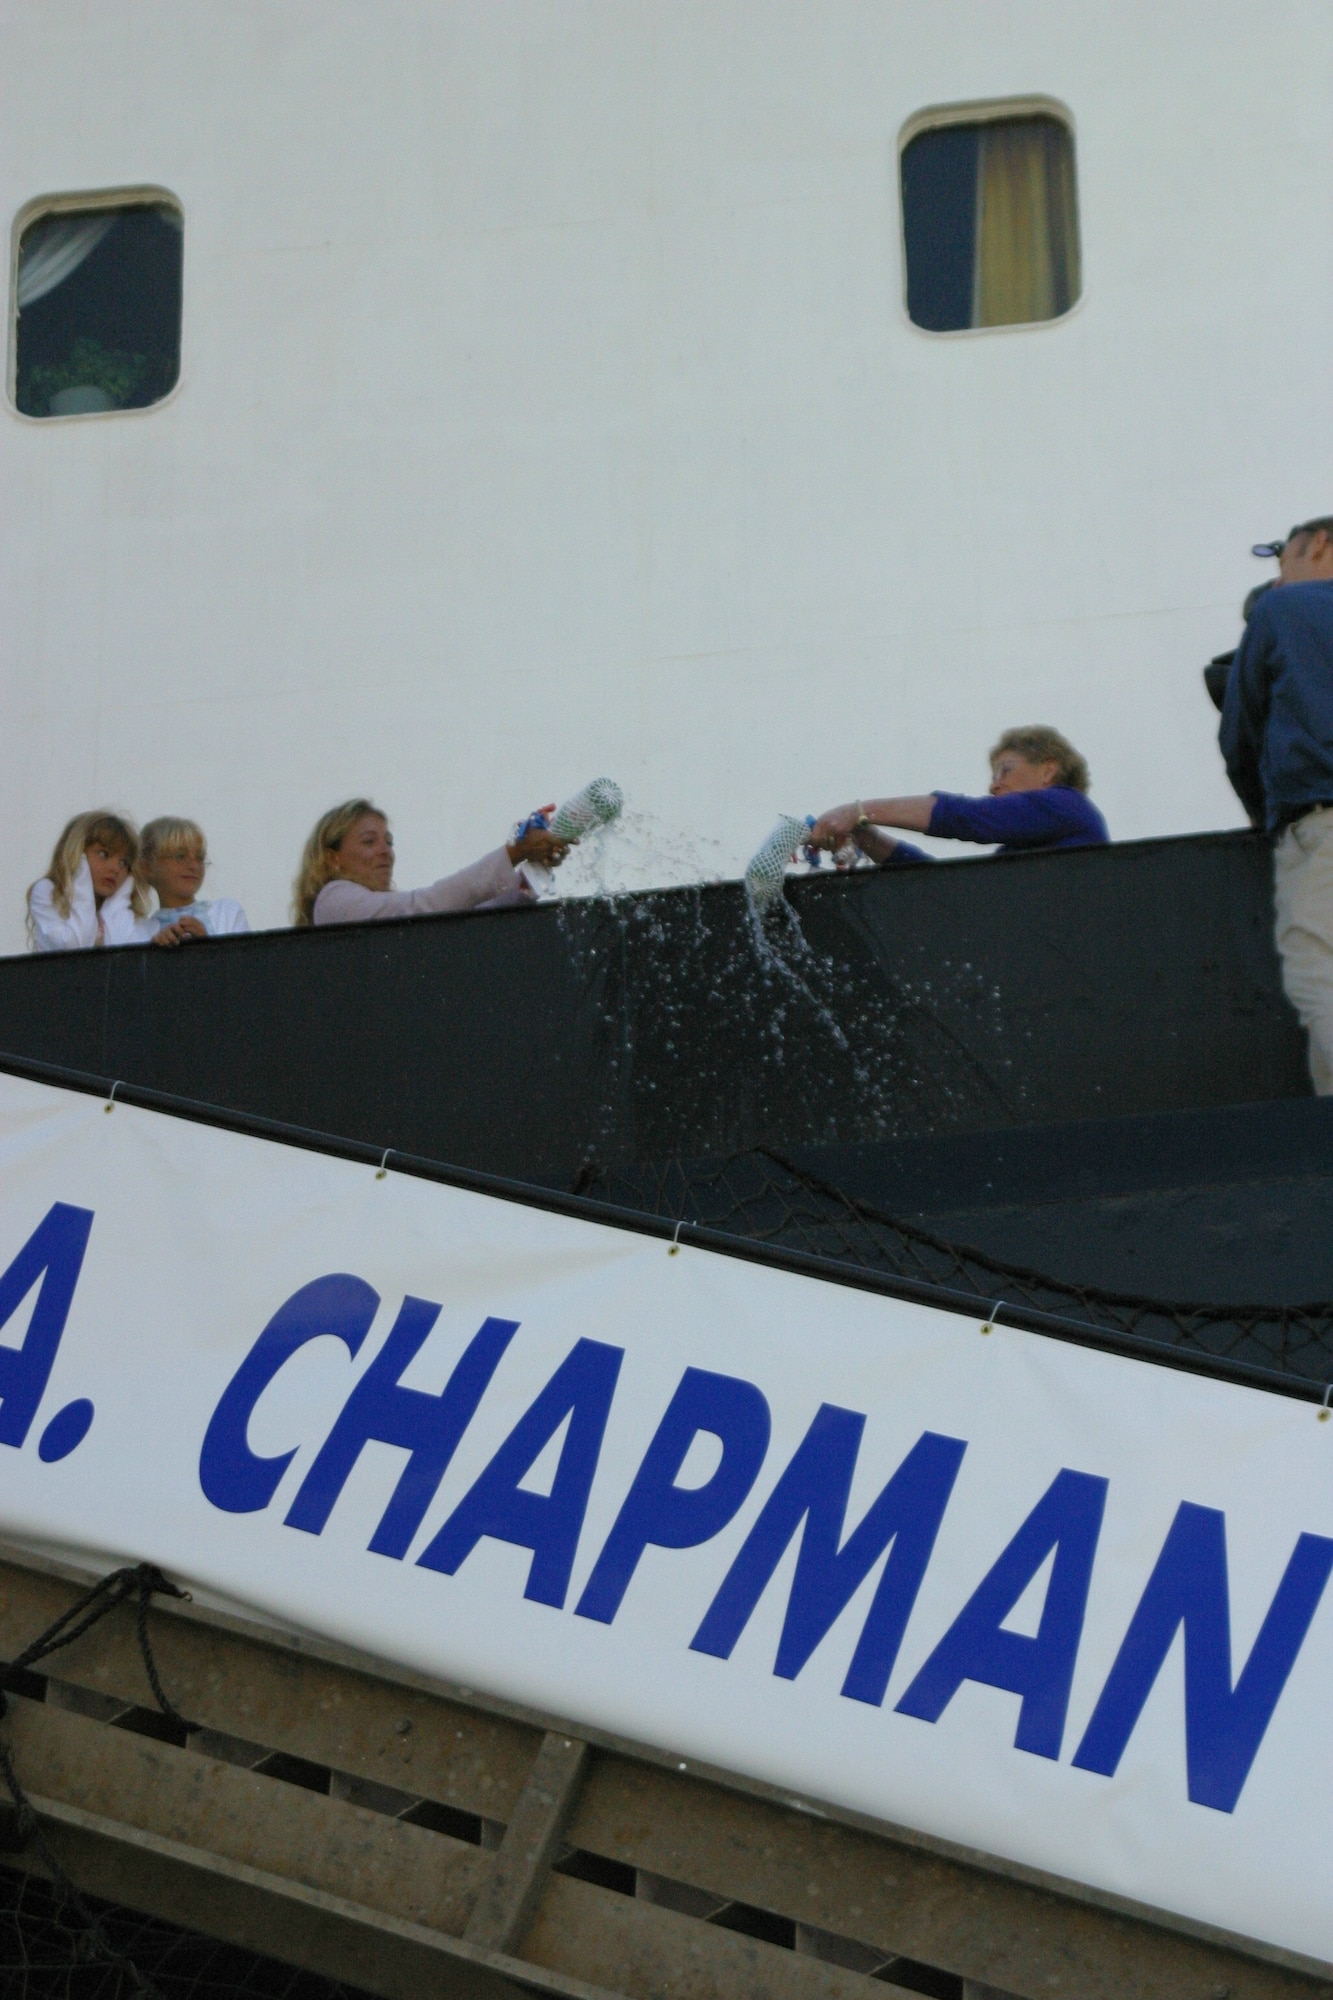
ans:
x=143 y=1582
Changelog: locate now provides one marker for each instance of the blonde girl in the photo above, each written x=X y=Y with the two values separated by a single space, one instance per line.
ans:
x=347 y=872
x=90 y=895
x=173 y=858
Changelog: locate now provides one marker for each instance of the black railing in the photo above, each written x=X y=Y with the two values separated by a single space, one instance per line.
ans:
x=770 y=1246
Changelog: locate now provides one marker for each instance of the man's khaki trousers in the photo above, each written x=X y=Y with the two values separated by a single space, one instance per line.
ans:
x=1303 y=896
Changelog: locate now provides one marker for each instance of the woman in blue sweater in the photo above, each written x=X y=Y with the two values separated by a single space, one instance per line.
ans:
x=1038 y=798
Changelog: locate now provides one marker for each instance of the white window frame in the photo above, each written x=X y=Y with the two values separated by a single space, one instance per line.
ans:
x=37 y=210
x=984 y=111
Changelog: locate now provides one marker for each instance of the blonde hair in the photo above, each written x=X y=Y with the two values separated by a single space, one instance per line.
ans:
x=1037 y=744
x=114 y=832
x=161 y=834
x=328 y=836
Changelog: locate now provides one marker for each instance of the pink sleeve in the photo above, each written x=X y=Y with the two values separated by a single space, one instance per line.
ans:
x=491 y=879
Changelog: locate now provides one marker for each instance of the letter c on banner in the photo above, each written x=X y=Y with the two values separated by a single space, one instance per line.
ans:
x=233 y=1477
x=659 y=1513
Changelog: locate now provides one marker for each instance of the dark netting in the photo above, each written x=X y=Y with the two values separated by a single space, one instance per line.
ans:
x=764 y=1197
x=45 y=1955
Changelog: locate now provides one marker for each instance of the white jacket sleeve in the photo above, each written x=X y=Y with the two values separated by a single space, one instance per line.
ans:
x=120 y=924
x=51 y=931
x=226 y=919
x=491 y=879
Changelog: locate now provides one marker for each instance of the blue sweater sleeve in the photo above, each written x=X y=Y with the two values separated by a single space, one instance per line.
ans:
x=1245 y=713
x=1055 y=816
x=905 y=852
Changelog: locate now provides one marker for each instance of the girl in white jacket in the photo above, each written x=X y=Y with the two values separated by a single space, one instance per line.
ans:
x=90 y=895
x=173 y=856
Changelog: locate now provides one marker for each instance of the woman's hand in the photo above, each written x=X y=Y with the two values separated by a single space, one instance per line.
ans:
x=173 y=934
x=863 y=821
x=836 y=827
x=546 y=849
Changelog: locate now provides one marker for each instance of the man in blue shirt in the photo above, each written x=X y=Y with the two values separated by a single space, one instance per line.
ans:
x=1038 y=798
x=1277 y=739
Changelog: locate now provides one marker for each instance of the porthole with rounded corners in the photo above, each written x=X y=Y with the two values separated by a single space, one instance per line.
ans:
x=990 y=215
x=96 y=303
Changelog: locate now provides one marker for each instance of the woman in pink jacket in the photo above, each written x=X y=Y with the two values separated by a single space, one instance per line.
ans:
x=347 y=872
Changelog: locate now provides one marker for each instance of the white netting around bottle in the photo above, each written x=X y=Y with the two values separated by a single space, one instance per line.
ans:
x=767 y=867
x=596 y=805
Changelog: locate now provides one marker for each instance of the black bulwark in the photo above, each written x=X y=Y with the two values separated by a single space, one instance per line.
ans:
x=554 y=1043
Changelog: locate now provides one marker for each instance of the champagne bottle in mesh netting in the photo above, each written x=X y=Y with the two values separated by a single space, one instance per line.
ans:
x=767 y=867
x=596 y=805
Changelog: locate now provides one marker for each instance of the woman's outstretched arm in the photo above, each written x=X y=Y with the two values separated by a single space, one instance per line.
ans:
x=485 y=881
x=841 y=823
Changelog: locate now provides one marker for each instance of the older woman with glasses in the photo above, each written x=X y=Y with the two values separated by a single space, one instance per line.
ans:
x=1037 y=798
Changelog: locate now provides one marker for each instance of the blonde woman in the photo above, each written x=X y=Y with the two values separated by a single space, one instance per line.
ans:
x=90 y=895
x=173 y=858
x=347 y=872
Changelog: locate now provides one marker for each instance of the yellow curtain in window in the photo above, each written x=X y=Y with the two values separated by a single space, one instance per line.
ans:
x=1027 y=265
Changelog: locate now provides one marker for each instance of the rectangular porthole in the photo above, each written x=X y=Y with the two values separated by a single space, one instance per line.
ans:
x=96 y=305
x=990 y=218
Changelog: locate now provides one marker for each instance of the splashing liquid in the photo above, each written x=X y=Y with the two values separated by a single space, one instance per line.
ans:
x=719 y=1028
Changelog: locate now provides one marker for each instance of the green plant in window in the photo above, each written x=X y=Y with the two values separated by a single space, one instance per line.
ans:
x=89 y=364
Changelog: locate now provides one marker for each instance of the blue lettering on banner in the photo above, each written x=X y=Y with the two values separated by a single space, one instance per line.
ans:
x=814 y=1489
x=66 y=1431
x=658 y=1513
x=549 y=1524
x=429 y=1427
x=976 y=1647
x=233 y=1477
x=54 y=1254
x=1224 y=1726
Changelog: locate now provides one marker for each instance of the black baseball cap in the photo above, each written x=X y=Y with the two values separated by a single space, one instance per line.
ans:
x=1274 y=549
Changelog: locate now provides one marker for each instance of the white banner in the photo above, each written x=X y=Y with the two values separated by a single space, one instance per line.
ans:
x=1053 y=1604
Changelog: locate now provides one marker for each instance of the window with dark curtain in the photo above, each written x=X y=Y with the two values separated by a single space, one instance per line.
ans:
x=99 y=309
x=990 y=223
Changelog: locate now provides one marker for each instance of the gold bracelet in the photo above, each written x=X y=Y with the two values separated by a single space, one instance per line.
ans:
x=862 y=818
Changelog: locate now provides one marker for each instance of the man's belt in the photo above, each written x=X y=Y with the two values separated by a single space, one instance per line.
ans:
x=1303 y=812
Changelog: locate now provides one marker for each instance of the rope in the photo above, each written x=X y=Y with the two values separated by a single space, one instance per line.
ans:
x=142 y=1581
x=1086 y=1294
x=767 y=1197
